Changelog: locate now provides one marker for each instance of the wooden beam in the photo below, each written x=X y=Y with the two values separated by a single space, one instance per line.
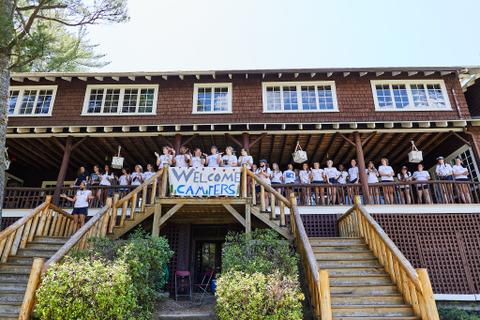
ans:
x=462 y=138
x=43 y=154
x=280 y=154
x=58 y=143
x=165 y=141
x=272 y=145
x=317 y=147
x=361 y=167
x=24 y=154
x=76 y=144
x=254 y=142
x=170 y=213
x=347 y=139
x=229 y=136
x=329 y=145
x=400 y=150
x=370 y=136
x=435 y=142
x=189 y=139
x=62 y=172
x=379 y=150
x=235 y=213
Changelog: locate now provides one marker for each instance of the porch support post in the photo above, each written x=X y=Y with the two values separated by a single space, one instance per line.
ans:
x=67 y=150
x=178 y=142
x=156 y=220
x=246 y=140
x=361 y=166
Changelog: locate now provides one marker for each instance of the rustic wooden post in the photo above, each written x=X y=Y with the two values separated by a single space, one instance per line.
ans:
x=113 y=217
x=282 y=214
x=177 y=143
x=246 y=140
x=248 y=218
x=273 y=215
x=263 y=205
x=325 y=300
x=67 y=150
x=33 y=282
x=244 y=181
x=156 y=220
x=362 y=173
x=164 y=186
x=429 y=299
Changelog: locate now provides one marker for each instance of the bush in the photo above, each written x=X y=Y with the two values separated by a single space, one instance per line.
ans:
x=255 y=296
x=457 y=314
x=86 y=290
x=259 y=251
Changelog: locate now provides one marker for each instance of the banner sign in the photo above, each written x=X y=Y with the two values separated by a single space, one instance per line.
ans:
x=204 y=182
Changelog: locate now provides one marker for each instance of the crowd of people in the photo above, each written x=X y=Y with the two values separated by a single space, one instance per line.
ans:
x=316 y=175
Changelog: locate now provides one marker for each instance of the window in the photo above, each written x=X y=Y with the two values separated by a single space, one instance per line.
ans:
x=414 y=95
x=120 y=100
x=212 y=98
x=299 y=96
x=31 y=101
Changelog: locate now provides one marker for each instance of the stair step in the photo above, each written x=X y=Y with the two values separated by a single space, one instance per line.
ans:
x=342 y=300
x=356 y=271
x=365 y=280
x=10 y=308
x=57 y=240
x=13 y=278
x=12 y=287
x=338 y=241
x=341 y=249
x=36 y=253
x=375 y=311
x=364 y=290
x=14 y=297
x=15 y=268
x=344 y=256
x=333 y=264
x=43 y=246
x=20 y=260
x=8 y=316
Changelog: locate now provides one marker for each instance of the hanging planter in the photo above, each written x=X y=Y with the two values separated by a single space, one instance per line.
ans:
x=415 y=156
x=117 y=161
x=299 y=156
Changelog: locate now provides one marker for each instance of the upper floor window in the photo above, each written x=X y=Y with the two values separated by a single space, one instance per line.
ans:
x=299 y=96
x=212 y=98
x=413 y=95
x=120 y=99
x=31 y=101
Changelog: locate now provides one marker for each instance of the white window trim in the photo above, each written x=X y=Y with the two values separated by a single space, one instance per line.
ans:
x=299 y=84
x=21 y=90
x=196 y=86
x=120 y=101
x=411 y=107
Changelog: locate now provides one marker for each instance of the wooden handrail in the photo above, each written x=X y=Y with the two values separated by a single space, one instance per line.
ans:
x=140 y=187
x=20 y=222
x=61 y=211
x=268 y=188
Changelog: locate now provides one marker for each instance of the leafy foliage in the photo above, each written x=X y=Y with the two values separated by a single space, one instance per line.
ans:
x=255 y=296
x=259 y=251
x=86 y=290
x=457 y=314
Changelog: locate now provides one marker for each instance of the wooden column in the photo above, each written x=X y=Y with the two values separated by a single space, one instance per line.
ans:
x=246 y=140
x=67 y=150
x=156 y=220
x=361 y=167
x=177 y=143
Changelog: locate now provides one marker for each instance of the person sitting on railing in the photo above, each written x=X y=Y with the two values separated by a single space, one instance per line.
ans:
x=166 y=158
x=81 y=176
x=80 y=207
x=404 y=176
x=245 y=159
x=198 y=159
x=214 y=159
x=317 y=176
x=444 y=172
x=265 y=174
x=386 y=176
x=229 y=159
x=304 y=176
x=460 y=173
x=342 y=180
x=422 y=189
x=372 y=177
x=332 y=175
x=182 y=160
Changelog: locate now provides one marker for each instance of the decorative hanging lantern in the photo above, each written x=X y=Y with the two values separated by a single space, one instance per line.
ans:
x=299 y=156
x=117 y=161
x=415 y=156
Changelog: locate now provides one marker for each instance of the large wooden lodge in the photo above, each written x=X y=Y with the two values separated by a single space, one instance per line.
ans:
x=61 y=121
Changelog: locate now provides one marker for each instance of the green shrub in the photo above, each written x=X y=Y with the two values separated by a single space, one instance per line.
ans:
x=86 y=290
x=457 y=314
x=259 y=251
x=257 y=296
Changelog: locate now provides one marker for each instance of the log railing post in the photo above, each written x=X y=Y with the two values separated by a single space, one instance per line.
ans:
x=325 y=299
x=113 y=216
x=428 y=298
x=33 y=282
x=244 y=181
x=282 y=214
x=361 y=167
x=156 y=220
x=263 y=205
x=273 y=214
x=164 y=186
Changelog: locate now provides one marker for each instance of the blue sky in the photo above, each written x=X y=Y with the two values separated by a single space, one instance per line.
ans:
x=166 y=35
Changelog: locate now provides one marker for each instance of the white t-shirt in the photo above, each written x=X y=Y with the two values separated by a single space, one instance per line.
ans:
x=229 y=161
x=407 y=177
x=81 y=198
x=331 y=172
x=105 y=179
x=371 y=176
x=352 y=174
x=164 y=159
x=317 y=175
x=342 y=179
x=277 y=176
x=248 y=160
x=212 y=160
x=137 y=178
x=460 y=171
x=444 y=170
x=266 y=179
x=289 y=176
x=148 y=175
x=181 y=160
x=197 y=162
x=304 y=176
x=421 y=175
x=386 y=170
x=123 y=180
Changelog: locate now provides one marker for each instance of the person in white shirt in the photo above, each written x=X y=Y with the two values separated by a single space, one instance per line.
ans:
x=342 y=181
x=265 y=174
x=318 y=177
x=137 y=176
x=148 y=173
x=80 y=208
x=460 y=173
x=372 y=178
x=444 y=172
x=332 y=175
x=124 y=180
x=106 y=180
x=277 y=177
x=386 y=175
x=182 y=159
x=304 y=176
x=245 y=159
x=214 y=159
x=229 y=159
x=166 y=158
x=198 y=159
x=289 y=177
x=342 y=177
x=353 y=174
x=422 y=189
x=404 y=176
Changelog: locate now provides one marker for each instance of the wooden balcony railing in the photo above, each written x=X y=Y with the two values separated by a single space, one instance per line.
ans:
x=414 y=284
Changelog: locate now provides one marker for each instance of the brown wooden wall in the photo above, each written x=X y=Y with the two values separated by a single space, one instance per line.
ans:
x=175 y=100
x=472 y=96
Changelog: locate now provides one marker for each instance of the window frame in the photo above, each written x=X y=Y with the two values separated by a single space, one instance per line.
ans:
x=411 y=106
x=212 y=86
x=122 y=88
x=21 y=90
x=299 y=85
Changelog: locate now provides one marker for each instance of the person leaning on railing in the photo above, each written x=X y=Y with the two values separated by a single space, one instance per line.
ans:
x=386 y=176
x=264 y=173
x=80 y=207
x=404 y=176
x=317 y=176
x=444 y=172
x=423 y=192
x=460 y=173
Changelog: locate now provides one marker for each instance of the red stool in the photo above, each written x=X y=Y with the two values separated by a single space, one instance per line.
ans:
x=183 y=284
